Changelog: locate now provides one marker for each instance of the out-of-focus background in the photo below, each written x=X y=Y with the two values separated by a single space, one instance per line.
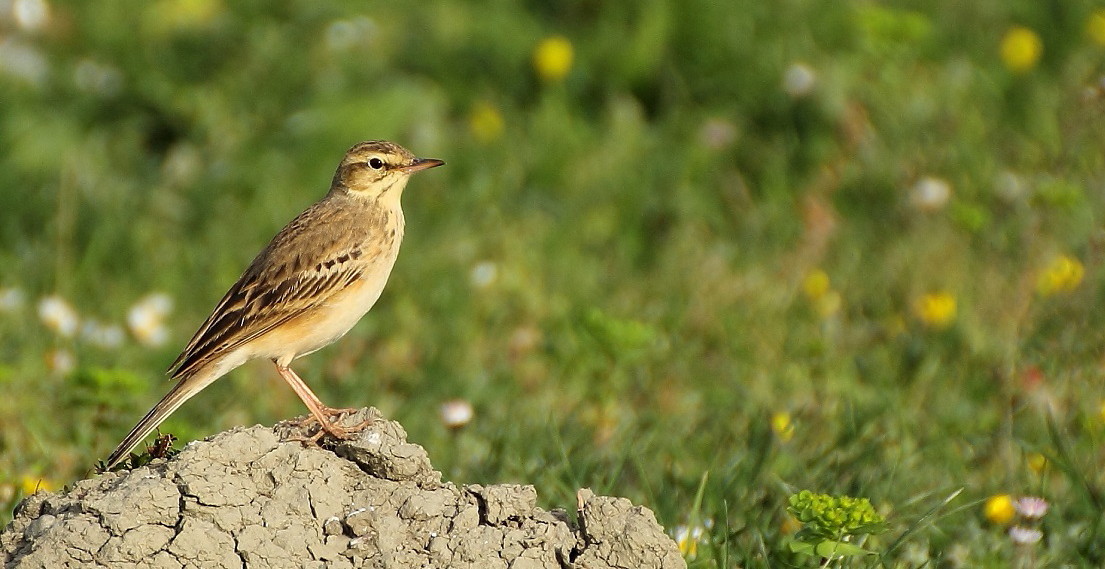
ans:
x=700 y=254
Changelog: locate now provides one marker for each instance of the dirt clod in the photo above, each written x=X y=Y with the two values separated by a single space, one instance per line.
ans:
x=247 y=498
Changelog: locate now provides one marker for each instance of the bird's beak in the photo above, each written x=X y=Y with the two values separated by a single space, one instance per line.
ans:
x=422 y=164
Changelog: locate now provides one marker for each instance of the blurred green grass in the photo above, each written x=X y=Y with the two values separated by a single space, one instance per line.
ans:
x=614 y=267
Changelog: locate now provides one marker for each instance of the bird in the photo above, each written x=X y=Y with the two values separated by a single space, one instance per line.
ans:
x=309 y=286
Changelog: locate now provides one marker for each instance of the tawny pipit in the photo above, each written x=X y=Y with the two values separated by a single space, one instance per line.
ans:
x=306 y=289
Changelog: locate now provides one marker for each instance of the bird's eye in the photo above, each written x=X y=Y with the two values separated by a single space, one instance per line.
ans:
x=375 y=163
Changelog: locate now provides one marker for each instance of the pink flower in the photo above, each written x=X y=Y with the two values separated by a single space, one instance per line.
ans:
x=1031 y=508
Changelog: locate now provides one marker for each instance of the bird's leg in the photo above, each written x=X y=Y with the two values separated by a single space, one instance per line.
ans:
x=325 y=415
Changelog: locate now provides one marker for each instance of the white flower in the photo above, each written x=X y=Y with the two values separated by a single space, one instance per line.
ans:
x=182 y=164
x=11 y=299
x=102 y=335
x=687 y=538
x=146 y=319
x=717 y=133
x=1010 y=187
x=31 y=15
x=24 y=62
x=799 y=80
x=148 y=332
x=158 y=302
x=1025 y=536
x=523 y=340
x=930 y=194
x=456 y=413
x=58 y=315
x=61 y=361
x=916 y=554
x=483 y=274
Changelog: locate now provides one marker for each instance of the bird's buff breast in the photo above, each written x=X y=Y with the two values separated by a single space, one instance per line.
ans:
x=329 y=321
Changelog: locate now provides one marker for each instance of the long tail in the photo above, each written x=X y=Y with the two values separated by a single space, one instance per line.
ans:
x=181 y=392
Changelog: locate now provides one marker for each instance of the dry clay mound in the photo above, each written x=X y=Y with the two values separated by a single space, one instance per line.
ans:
x=245 y=498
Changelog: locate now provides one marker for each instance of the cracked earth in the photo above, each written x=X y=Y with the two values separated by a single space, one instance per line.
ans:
x=246 y=499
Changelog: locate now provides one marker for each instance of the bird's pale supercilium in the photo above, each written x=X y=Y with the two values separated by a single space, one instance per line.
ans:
x=310 y=285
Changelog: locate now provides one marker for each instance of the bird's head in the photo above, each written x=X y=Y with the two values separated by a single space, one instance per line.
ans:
x=377 y=169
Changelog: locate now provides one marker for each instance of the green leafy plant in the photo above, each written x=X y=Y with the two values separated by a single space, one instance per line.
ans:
x=833 y=526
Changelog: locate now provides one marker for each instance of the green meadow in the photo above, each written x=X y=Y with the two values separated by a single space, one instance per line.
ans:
x=700 y=254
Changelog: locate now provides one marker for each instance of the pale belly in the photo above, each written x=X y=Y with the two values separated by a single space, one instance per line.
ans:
x=325 y=324
x=340 y=315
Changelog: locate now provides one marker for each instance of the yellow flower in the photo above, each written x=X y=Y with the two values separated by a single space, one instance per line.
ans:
x=829 y=304
x=782 y=426
x=816 y=284
x=485 y=122
x=1102 y=411
x=817 y=289
x=32 y=484
x=1063 y=274
x=1096 y=27
x=1021 y=49
x=936 y=310
x=553 y=58
x=1037 y=462
x=999 y=509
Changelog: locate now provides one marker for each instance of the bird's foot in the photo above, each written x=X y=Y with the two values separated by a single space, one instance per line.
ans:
x=330 y=426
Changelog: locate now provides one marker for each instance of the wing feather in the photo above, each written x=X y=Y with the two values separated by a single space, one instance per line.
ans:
x=300 y=269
